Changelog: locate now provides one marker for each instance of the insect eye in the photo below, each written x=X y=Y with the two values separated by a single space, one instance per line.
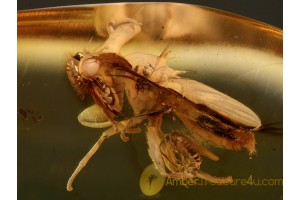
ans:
x=78 y=56
x=89 y=67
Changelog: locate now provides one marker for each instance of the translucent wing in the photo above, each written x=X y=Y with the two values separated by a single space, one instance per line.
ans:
x=157 y=70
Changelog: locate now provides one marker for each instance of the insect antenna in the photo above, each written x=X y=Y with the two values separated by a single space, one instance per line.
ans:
x=162 y=56
x=164 y=66
x=85 y=49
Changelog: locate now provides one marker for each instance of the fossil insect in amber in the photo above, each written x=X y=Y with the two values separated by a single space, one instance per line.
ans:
x=152 y=90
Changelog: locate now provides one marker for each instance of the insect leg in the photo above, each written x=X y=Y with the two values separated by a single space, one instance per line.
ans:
x=127 y=128
x=213 y=179
x=200 y=149
x=188 y=175
x=207 y=153
x=154 y=139
x=111 y=131
x=202 y=175
x=87 y=157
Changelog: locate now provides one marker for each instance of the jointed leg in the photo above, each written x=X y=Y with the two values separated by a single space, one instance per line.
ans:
x=213 y=179
x=111 y=131
x=202 y=175
x=207 y=153
x=125 y=127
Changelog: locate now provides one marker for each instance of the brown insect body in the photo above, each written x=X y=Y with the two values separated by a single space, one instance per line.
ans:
x=201 y=120
x=205 y=111
x=153 y=89
x=115 y=75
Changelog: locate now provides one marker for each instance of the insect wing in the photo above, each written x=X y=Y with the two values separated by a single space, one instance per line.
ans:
x=199 y=93
x=228 y=107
